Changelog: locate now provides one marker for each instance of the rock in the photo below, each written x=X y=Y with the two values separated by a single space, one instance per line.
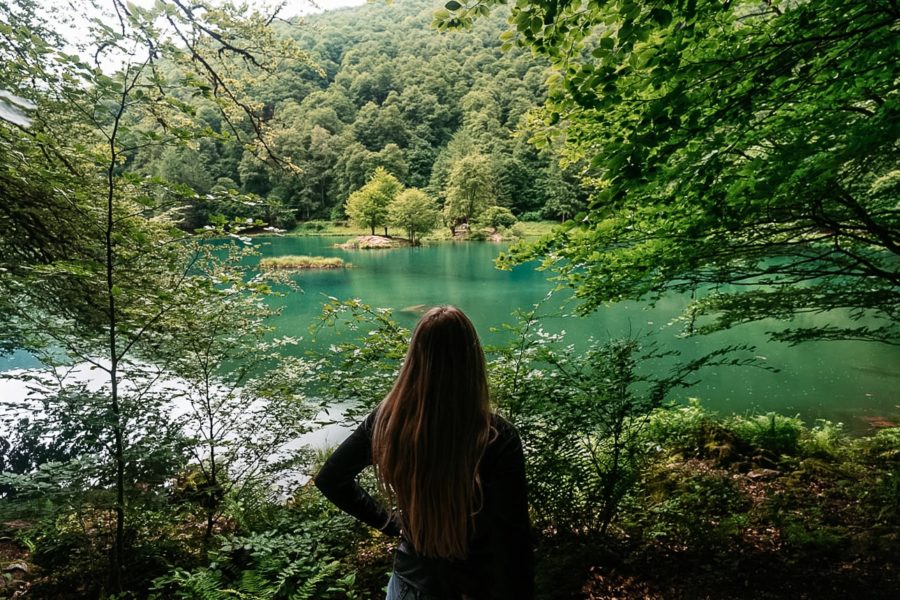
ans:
x=416 y=309
x=879 y=422
x=763 y=474
x=365 y=242
x=18 y=568
x=10 y=528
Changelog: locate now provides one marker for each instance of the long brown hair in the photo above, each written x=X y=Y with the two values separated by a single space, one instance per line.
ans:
x=431 y=431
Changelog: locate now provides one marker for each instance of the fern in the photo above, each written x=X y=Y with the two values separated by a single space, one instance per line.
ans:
x=279 y=568
x=308 y=589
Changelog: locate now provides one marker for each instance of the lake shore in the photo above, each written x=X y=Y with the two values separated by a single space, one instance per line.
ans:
x=528 y=229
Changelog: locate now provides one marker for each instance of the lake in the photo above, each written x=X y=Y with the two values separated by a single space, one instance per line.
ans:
x=850 y=382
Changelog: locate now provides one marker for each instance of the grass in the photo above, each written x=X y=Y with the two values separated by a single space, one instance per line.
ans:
x=532 y=229
x=299 y=262
x=327 y=228
x=522 y=230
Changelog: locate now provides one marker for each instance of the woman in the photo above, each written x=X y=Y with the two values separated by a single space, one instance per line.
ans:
x=454 y=471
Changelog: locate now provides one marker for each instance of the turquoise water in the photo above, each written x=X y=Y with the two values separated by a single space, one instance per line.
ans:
x=850 y=382
x=843 y=381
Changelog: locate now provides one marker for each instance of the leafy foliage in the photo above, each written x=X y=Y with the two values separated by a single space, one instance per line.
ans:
x=747 y=144
x=111 y=300
x=368 y=206
x=360 y=371
x=497 y=217
x=293 y=560
x=384 y=91
x=469 y=190
x=416 y=212
x=584 y=416
x=776 y=433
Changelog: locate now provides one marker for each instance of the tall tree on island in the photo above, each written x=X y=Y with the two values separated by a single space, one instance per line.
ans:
x=368 y=206
x=744 y=151
x=416 y=212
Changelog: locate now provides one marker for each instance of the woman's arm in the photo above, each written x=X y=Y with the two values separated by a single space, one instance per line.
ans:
x=510 y=493
x=337 y=480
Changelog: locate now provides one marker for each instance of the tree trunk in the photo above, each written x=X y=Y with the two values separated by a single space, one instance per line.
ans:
x=207 y=535
x=213 y=479
x=118 y=549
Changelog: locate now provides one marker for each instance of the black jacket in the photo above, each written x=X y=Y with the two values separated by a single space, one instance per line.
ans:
x=500 y=564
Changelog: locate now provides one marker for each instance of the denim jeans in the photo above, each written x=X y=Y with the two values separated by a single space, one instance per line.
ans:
x=399 y=590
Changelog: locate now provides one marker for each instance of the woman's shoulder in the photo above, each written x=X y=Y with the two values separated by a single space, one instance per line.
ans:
x=505 y=431
x=499 y=422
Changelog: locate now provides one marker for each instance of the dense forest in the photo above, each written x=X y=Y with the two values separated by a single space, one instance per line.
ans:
x=743 y=154
x=378 y=88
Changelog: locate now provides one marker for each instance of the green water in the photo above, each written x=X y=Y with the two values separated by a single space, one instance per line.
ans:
x=849 y=382
x=843 y=381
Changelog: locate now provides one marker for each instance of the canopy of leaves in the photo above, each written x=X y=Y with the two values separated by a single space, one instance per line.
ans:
x=368 y=206
x=383 y=91
x=746 y=150
x=469 y=190
x=416 y=212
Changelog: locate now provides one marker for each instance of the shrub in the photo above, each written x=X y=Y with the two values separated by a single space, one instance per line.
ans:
x=772 y=432
x=497 y=217
x=881 y=493
x=312 y=226
x=679 y=429
x=817 y=537
x=688 y=503
x=298 y=558
x=824 y=440
x=517 y=231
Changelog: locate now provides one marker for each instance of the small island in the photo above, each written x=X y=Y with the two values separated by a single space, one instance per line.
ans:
x=301 y=263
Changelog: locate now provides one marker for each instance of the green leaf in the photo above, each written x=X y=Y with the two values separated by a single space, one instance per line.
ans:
x=661 y=16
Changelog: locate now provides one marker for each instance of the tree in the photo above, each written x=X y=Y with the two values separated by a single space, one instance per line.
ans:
x=746 y=144
x=109 y=294
x=416 y=212
x=368 y=206
x=392 y=158
x=376 y=127
x=565 y=198
x=243 y=393
x=460 y=145
x=469 y=190
x=183 y=166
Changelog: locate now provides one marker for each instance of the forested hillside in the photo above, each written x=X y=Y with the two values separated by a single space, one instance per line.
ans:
x=382 y=89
